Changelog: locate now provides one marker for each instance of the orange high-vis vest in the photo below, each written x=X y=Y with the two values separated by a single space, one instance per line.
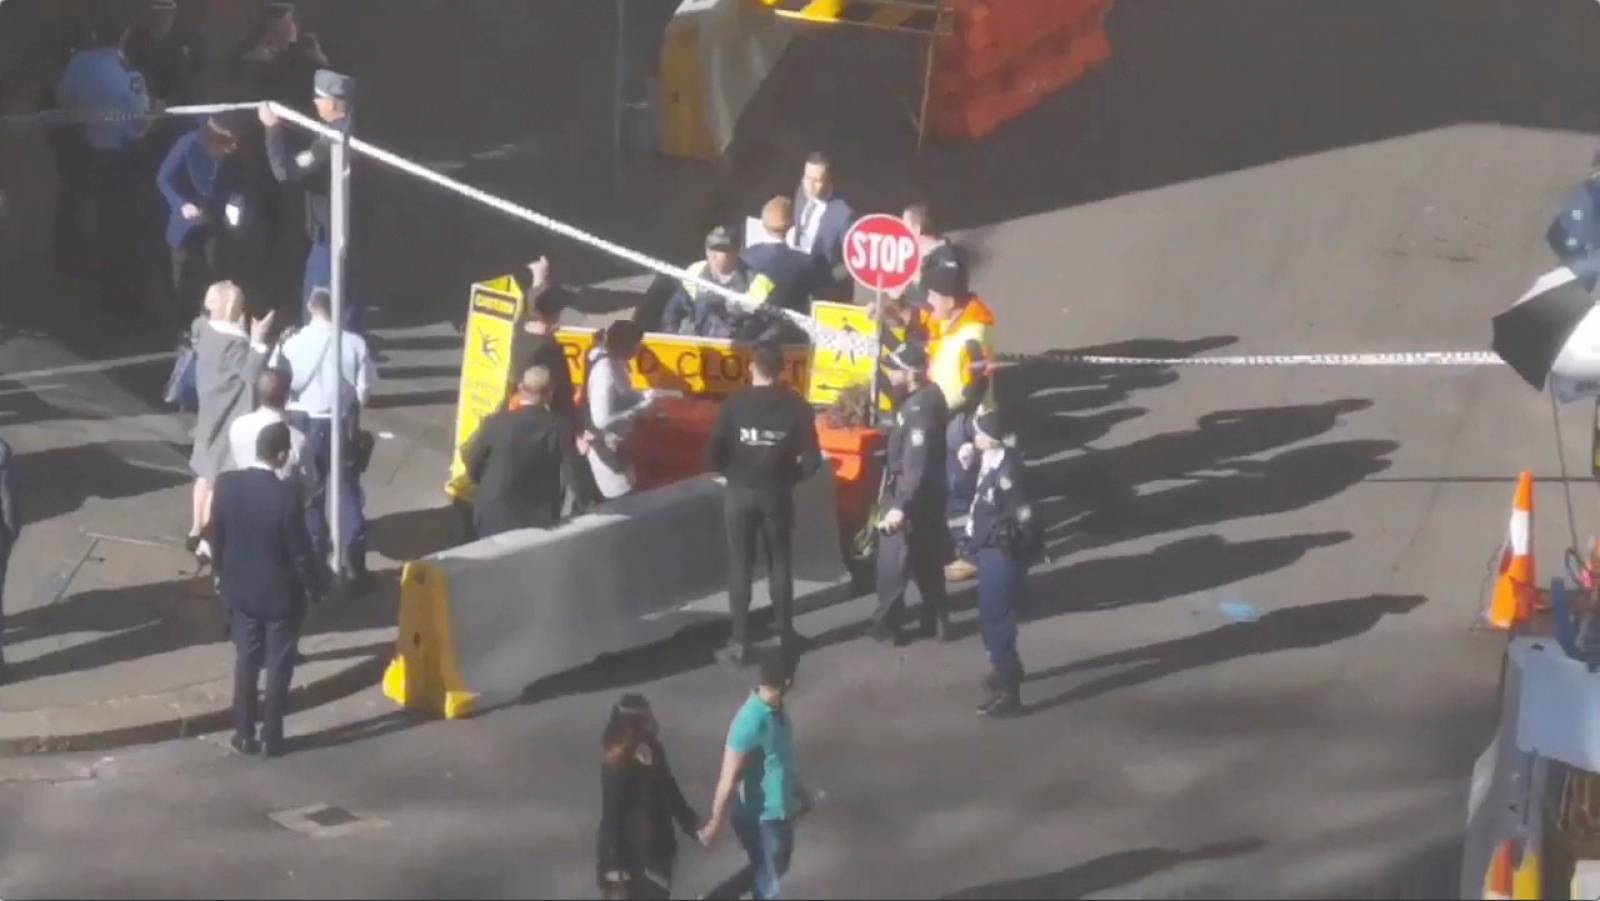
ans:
x=951 y=364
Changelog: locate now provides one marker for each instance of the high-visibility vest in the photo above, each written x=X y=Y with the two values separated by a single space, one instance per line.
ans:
x=759 y=287
x=950 y=363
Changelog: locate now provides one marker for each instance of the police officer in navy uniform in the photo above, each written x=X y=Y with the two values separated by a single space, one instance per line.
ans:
x=913 y=535
x=1005 y=538
x=309 y=166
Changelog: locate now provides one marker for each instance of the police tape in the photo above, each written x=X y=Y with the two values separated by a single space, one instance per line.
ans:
x=824 y=337
x=1401 y=358
x=85 y=117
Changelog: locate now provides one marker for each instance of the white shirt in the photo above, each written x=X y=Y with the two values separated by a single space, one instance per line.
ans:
x=309 y=354
x=244 y=431
x=805 y=230
x=613 y=406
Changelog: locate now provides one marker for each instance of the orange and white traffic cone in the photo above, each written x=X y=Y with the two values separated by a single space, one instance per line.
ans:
x=1497 y=882
x=1514 y=588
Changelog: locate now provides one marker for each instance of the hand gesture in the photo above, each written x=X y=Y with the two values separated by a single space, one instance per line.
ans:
x=967 y=455
x=708 y=835
x=541 y=271
x=266 y=115
x=261 y=328
x=892 y=521
x=191 y=212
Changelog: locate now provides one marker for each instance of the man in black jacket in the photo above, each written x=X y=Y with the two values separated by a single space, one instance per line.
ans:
x=523 y=463
x=267 y=573
x=792 y=273
x=10 y=529
x=764 y=442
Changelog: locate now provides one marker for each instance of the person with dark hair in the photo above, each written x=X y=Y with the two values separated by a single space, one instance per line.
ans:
x=272 y=401
x=764 y=443
x=524 y=463
x=278 y=60
x=920 y=218
x=640 y=802
x=821 y=220
x=760 y=786
x=534 y=342
x=203 y=205
x=614 y=406
x=267 y=576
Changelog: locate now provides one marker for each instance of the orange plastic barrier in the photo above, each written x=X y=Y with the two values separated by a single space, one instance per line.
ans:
x=1004 y=58
x=670 y=446
x=854 y=455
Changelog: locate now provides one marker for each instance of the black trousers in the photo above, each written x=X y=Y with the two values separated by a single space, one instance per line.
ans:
x=913 y=555
x=258 y=643
x=768 y=515
x=5 y=557
x=194 y=268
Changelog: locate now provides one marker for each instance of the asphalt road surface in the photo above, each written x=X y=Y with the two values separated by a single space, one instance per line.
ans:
x=1291 y=177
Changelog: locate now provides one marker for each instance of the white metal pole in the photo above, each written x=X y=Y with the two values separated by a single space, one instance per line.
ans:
x=877 y=353
x=338 y=229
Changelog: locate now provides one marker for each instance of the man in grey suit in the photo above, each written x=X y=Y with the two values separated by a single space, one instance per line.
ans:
x=10 y=529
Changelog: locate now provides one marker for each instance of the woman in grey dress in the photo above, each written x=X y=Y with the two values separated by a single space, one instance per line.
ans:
x=227 y=361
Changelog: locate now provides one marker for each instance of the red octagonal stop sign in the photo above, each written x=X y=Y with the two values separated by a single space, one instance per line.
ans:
x=882 y=252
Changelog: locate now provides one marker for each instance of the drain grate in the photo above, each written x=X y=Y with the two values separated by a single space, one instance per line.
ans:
x=326 y=821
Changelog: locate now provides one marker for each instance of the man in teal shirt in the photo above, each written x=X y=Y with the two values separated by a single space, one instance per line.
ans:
x=759 y=762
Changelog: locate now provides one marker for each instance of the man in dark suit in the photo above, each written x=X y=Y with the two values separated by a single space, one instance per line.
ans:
x=263 y=560
x=821 y=219
x=790 y=271
x=523 y=462
x=10 y=528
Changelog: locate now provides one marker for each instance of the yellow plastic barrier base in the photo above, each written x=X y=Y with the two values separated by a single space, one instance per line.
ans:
x=423 y=675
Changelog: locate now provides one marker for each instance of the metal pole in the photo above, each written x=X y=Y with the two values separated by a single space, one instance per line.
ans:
x=927 y=77
x=619 y=75
x=338 y=231
x=877 y=351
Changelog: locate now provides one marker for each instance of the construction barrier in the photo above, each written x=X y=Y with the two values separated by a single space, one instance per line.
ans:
x=1006 y=56
x=713 y=367
x=714 y=58
x=481 y=622
x=493 y=309
x=1514 y=598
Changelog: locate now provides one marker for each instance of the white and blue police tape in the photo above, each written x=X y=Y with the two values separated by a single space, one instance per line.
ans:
x=1399 y=358
x=79 y=117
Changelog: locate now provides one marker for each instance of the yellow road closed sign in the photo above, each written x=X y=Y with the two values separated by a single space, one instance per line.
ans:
x=833 y=371
x=485 y=368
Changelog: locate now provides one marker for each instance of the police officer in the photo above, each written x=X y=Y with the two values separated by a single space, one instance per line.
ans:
x=310 y=167
x=912 y=533
x=764 y=442
x=100 y=79
x=696 y=311
x=1005 y=538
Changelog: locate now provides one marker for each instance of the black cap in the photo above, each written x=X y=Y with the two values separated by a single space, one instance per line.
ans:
x=632 y=704
x=329 y=83
x=988 y=422
x=221 y=127
x=945 y=272
x=720 y=239
x=911 y=356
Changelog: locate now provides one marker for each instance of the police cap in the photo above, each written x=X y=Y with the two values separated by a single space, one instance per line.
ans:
x=332 y=85
x=720 y=239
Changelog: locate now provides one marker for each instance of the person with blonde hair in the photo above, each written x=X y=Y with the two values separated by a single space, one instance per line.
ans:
x=791 y=271
x=228 y=358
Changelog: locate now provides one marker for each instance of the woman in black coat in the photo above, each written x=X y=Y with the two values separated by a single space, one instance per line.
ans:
x=640 y=804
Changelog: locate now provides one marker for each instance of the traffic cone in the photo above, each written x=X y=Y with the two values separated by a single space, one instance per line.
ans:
x=1497 y=885
x=1514 y=588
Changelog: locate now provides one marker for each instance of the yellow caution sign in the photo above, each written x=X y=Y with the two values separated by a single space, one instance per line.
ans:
x=694 y=366
x=833 y=371
x=916 y=16
x=485 y=368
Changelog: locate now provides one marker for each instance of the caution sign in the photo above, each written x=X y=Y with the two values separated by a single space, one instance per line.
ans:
x=485 y=368
x=834 y=371
x=714 y=367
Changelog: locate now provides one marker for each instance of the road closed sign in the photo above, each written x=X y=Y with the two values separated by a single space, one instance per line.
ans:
x=881 y=252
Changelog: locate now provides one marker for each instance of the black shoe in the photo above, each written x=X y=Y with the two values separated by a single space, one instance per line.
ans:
x=243 y=745
x=795 y=643
x=1006 y=705
x=299 y=659
x=990 y=698
x=271 y=749
x=358 y=582
x=738 y=655
x=938 y=627
x=945 y=632
x=883 y=633
x=192 y=543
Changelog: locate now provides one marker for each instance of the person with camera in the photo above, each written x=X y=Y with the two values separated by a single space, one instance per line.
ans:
x=912 y=533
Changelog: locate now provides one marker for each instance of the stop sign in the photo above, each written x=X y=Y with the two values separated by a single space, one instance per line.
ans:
x=882 y=252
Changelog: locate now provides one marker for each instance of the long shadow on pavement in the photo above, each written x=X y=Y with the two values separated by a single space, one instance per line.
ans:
x=1308 y=626
x=1103 y=873
x=53 y=482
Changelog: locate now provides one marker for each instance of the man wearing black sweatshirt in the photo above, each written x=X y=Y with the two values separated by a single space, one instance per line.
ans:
x=764 y=443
